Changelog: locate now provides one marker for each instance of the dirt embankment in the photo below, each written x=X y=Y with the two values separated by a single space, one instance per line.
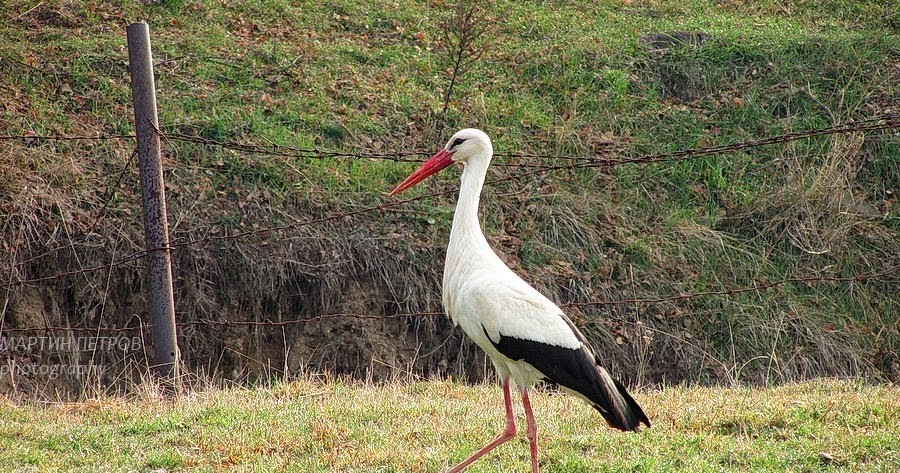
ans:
x=331 y=296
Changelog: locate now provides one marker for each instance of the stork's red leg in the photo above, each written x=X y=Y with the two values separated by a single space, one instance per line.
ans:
x=530 y=430
x=508 y=433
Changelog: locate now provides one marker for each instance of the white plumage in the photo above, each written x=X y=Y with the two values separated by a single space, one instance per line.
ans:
x=526 y=335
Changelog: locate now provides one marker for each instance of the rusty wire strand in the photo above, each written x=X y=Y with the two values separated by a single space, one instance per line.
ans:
x=65 y=137
x=285 y=151
x=400 y=156
x=878 y=122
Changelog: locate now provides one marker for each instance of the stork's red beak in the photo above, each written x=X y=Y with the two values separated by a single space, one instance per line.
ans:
x=440 y=160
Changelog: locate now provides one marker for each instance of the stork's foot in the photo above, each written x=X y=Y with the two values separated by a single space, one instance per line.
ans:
x=504 y=437
x=508 y=433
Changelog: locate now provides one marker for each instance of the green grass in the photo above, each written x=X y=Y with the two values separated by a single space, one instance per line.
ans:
x=428 y=426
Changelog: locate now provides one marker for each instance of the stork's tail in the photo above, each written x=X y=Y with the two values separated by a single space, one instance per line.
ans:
x=621 y=411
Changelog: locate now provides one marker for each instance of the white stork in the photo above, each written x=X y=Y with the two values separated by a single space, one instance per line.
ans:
x=527 y=336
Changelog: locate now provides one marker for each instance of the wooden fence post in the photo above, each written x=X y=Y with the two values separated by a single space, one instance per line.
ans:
x=156 y=226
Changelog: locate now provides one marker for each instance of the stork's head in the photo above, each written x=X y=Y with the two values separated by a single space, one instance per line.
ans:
x=466 y=144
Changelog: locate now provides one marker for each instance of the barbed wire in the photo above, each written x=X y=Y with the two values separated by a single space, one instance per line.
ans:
x=594 y=156
x=27 y=137
x=880 y=122
x=294 y=152
x=758 y=287
x=395 y=156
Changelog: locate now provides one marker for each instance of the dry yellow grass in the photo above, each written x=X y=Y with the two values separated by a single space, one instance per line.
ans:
x=316 y=425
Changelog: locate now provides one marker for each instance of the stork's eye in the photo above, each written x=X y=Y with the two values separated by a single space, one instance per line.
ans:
x=457 y=142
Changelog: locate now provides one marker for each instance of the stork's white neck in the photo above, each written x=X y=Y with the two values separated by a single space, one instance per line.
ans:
x=466 y=229
x=468 y=250
x=468 y=253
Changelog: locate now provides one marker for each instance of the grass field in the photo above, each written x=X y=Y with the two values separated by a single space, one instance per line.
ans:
x=418 y=426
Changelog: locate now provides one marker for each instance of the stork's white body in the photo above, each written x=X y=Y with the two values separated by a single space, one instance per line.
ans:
x=486 y=298
x=527 y=336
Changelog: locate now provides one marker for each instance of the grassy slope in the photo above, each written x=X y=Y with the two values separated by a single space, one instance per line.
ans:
x=425 y=426
x=556 y=78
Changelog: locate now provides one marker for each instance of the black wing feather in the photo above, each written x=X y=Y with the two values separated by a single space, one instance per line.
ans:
x=577 y=370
